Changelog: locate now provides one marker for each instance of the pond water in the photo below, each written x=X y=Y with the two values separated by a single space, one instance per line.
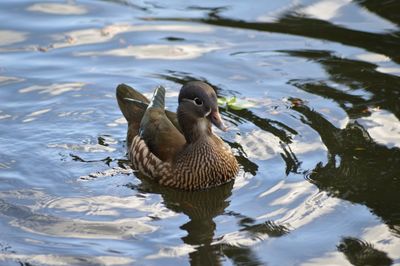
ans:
x=309 y=89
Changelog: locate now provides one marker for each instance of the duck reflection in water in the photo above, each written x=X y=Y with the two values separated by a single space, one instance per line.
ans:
x=202 y=207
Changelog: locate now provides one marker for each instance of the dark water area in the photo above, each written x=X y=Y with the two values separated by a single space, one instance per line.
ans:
x=309 y=89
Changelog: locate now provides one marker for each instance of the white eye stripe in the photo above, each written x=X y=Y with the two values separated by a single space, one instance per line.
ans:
x=196 y=101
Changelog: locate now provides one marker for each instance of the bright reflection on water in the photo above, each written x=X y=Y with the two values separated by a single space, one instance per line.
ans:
x=310 y=90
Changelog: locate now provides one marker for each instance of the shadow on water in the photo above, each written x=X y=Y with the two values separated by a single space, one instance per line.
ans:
x=295 y=23
x=358 y=169
x=355 y=75
x=383 y=8
x=362 y=253
x=202 y=207
x=276 y=128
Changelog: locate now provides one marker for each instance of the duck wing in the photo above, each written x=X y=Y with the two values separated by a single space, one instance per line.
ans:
x=160 y=134
x=133 y=105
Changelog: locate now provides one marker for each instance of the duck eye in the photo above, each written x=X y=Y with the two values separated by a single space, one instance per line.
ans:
x=197 y=101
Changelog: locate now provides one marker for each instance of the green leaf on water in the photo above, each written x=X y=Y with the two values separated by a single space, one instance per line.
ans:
x=221 y=101
x=235 y=103
x=231 y=101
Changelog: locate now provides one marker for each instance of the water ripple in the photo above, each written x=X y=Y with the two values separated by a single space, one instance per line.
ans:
x=58 y=9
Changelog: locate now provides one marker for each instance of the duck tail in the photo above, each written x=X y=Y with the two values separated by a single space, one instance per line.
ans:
x=131 y=102
x=158 y=100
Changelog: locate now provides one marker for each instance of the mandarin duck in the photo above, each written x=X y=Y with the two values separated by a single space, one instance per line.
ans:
x=177 y=150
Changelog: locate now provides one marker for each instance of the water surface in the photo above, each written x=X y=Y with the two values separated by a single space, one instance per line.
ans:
x=310 y=90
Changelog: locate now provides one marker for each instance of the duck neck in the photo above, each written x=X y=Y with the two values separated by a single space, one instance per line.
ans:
x=194 y=128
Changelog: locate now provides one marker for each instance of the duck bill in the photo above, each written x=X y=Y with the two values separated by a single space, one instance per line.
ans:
x=217 y=120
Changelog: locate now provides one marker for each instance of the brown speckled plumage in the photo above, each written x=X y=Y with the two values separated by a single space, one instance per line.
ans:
x=198 y=158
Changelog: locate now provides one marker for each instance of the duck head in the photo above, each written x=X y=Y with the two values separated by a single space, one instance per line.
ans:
x=197 y=110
